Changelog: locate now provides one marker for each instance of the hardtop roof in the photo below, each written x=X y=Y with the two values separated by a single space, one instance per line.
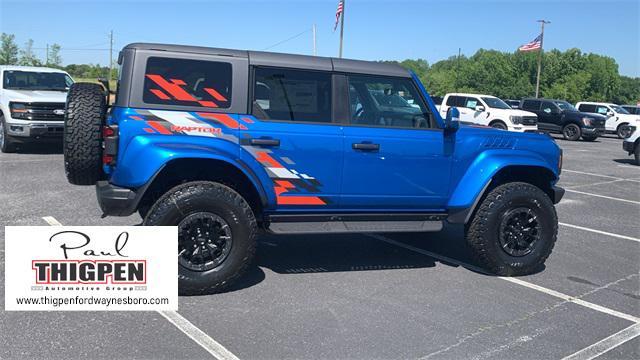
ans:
x=285 y=60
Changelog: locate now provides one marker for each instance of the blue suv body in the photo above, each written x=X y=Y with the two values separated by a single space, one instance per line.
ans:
x=225 y=142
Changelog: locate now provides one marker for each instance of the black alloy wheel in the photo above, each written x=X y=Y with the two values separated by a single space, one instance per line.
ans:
x=519 y=231
x=204 y=241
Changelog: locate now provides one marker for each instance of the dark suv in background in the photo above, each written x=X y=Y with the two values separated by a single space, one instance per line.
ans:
x=631 y=109
x=559 y=116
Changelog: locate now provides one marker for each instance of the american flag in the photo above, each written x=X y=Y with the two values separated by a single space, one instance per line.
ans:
x=338 y=13
x=534 y=45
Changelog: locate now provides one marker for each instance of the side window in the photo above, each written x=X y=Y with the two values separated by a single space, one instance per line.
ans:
x=185 y=82
x=547 y=107
x=602 y=109
x=388 y=102
x=471 y=103
x=292 y=95
x=531 y=105
x=587 y=108
x=455 y=100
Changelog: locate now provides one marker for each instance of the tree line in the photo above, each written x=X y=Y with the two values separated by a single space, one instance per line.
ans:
x=569 y=75
x=11 y=54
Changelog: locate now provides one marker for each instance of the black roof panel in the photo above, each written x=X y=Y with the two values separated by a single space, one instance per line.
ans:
x=286 y=60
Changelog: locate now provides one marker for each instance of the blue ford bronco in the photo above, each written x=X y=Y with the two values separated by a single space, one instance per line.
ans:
x=226 y=143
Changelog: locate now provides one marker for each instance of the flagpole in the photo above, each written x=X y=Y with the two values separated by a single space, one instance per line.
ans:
x=341 y=27
x=542 y=22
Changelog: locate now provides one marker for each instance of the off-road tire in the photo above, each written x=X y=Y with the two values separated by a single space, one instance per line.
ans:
x=622 y=130
x=482 y=235
x=6 y=146
x=83 y=121
x=589 y=138
x=571 y=132
x=202 y=196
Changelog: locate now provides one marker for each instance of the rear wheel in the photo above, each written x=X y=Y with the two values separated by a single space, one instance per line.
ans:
x=216 y=234
x=514 y=230
x=6 y=145
x=571 y=132
x=83 y=121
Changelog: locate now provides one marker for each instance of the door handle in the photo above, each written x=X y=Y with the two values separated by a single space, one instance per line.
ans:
x=264 y=142
x=366 y=146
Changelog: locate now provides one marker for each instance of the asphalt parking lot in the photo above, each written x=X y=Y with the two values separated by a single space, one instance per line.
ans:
x=365 y=296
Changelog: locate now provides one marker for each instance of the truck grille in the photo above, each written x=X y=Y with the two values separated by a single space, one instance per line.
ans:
x=45 y=111
x=529 y=120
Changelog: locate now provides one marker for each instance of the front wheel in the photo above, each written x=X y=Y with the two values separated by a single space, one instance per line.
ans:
x=6 y=145
x=571 y=132
x=499 y=125
x=514 y=230
x=216 y=234
x=623 y=131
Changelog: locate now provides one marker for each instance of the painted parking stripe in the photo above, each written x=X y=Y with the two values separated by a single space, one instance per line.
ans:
x=193 y=332
x=600 y=175
x=602 y=196
x=606 y=344
x=600 y=232
x=516 y=281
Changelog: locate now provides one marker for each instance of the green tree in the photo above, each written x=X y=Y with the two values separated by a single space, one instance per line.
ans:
x=8 y=49
x=54 y=59
x=27 y=57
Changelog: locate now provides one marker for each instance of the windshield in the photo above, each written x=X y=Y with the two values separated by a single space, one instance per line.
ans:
x=619 y=109
x=495 y=103
x=29 y=80
x=565 y=106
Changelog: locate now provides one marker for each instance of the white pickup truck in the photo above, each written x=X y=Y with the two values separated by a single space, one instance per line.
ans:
x=618 y=119
x=490 y=111
x=32 y=103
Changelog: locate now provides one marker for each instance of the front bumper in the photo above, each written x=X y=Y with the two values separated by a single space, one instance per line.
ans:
x=49 y=130
x=628 y=146
x=591 y=131
x=117 y=201
x=523 y=128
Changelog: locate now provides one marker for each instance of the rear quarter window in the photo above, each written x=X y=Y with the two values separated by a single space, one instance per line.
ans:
x=531 y=105
x=185 y=82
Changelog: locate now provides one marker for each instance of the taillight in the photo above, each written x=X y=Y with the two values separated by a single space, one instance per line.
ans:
x=110 y=141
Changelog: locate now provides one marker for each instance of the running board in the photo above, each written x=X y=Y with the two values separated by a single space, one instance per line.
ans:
x=355 y=223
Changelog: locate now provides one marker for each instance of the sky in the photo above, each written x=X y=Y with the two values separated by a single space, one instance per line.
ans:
x=374 y=30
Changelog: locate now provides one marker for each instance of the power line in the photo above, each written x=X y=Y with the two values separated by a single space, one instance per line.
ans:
x=289 y=39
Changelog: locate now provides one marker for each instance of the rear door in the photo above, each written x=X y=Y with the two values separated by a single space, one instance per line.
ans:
x=291 y=139
x=395 y=157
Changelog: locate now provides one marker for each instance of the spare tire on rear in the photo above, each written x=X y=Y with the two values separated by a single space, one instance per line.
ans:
x=83 y=121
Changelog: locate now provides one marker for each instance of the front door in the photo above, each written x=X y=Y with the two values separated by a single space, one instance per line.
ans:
x=394 y=154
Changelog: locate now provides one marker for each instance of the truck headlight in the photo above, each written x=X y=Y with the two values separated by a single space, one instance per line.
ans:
x=18 y=110
x=587 y=121
x=515 y=119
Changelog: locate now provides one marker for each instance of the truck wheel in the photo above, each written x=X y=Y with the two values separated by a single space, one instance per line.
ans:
x=6 y=146
x=514 y=230
x=623 y=130
x=571 y=132
x=499 y=125
x=216 y=234
x=83 y=121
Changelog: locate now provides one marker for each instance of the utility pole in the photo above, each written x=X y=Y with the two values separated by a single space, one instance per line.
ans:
x=315 y=51
x=542 y=22
x=344 y=5
x=110 y=54
x=458 y=67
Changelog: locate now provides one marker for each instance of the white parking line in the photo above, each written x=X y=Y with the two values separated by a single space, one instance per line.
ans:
x=529 y=285
x=606 y=344
x=600 y=175
x=185 y=326
x=602 y=196
x=600 y=232
x=213 y=347
x=594 y=184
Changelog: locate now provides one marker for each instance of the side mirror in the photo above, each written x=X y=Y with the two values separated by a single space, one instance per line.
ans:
x=610 y=113
x=479 y=108
x=452 y=121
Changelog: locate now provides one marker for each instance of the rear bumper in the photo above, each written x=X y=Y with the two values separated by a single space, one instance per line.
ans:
x=117 y=201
